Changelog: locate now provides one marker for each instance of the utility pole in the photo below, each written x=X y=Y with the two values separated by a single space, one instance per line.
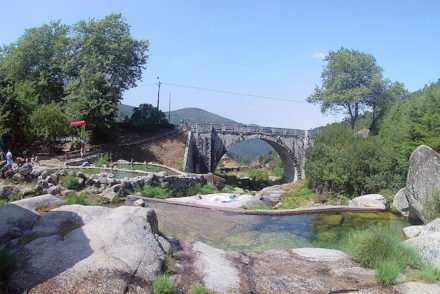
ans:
x=158 y=92
x=169 y=109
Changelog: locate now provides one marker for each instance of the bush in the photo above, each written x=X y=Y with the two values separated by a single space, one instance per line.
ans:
x=70 y=182
x=201 y=189
x=103 y=160
x=163 y=285
x=76 y=198
x=387 y=272
x=155 y=192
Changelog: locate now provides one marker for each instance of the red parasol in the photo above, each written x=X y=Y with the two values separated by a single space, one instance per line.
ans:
x=80 y=123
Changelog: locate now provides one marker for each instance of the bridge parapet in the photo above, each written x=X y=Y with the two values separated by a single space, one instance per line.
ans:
x=244 y=129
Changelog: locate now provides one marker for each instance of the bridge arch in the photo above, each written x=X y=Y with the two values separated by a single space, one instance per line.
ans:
x=290 y=163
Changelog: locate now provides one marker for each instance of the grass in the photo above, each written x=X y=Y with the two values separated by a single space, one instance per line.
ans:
x=200 y=289
x=383 y=250
x=169 y=264
x=427 y=274
x=387 y=272
x=102 y=160
x=297 y=195
x=155 y=192
x=163 y=285
x=3 y=202
x=201 y=189
x=70 y=182
x=76 y=198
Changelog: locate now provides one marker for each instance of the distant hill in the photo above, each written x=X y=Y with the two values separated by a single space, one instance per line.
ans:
x=248 y=150
x=199 y=116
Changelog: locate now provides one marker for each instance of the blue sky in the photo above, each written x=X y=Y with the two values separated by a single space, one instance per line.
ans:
x=267 y=48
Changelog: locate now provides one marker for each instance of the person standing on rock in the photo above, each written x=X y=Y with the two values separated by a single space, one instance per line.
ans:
x=9 y=160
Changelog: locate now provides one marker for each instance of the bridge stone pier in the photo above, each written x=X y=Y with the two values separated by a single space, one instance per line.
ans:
x=206 y=145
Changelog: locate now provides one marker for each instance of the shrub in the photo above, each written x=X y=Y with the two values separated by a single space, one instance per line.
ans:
x=76 y=198
x=387 y=272
x=201 y=189
x=163 y=285
x=70 y=182
x=155 y=192
x=102 y=160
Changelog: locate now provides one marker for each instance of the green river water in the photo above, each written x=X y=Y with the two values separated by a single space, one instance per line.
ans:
x=234 y=231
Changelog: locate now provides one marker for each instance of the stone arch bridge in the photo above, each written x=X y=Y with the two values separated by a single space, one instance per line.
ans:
x=206 y=145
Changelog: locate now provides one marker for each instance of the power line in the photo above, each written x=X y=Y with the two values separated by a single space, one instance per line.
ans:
x=235 y=93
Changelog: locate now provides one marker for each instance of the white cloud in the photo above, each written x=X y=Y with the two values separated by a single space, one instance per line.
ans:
x=319 y=55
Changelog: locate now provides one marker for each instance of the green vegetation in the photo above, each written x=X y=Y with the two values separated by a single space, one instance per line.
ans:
x=428 y=274
x=200 y=289
x=76 y=198
x=155 y=192
x=80 y=69
x=351 y=82
x=433 y=206
x=147 y=117
x=297 y=195
x=201 y=189
x=387 y=271
x=163 y=285
x=103 y=160
x=169 y=264
x=383 y=250
x=3 y=202
x=70 y=182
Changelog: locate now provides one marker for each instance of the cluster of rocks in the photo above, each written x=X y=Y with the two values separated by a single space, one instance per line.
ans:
x=80 y=249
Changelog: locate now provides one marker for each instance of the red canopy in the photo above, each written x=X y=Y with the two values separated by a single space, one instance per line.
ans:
x=77 y=123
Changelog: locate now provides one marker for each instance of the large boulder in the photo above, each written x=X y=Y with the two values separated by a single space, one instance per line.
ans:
x=428 y=247
x=400 y=202
x=423 y=183
x=25 y=169
x=370 y=200
x=83 y=249
x=18 y=217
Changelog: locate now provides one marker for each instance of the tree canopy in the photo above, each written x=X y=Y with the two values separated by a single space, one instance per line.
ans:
x=352 y=82
x=84 y=68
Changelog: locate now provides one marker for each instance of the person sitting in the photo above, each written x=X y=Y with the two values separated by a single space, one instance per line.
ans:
x=19 y=160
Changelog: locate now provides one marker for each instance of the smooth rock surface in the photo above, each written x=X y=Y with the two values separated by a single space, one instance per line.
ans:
x=112 y=251
x=423 y=182
x=370 y=200
x=412 y=231
x=428 y=247
x=400 y=202
x=220 y=200
x=417 y=288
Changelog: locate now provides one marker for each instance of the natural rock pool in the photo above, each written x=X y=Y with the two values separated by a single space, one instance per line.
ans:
x=239 y=232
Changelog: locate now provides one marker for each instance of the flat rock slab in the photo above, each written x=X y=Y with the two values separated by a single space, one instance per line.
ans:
x=229 y=200
x=417 y=288
x=304 y=270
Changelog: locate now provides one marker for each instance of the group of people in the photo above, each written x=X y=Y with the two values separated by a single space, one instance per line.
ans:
x=19 y=160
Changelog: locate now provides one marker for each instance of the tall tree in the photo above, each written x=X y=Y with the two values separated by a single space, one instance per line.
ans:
x=348 y=82
x=106 y=61
x=36 y=63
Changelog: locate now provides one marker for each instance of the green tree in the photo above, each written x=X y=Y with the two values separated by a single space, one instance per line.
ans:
x=106 y=61
x=147 y=117
x=348 y=82
x=49 y=122
x=36 y=63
